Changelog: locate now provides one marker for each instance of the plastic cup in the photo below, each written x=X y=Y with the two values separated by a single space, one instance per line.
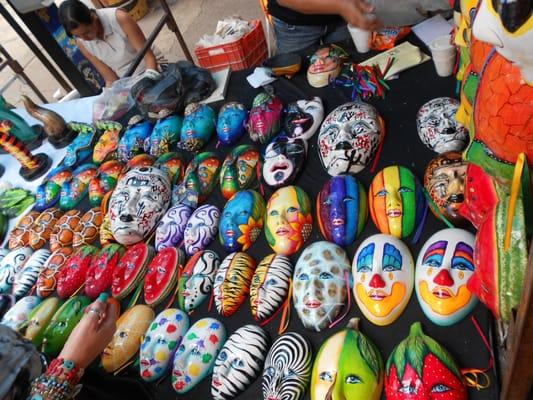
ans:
x=361 y=38
x=444 y=66
x=443 y=53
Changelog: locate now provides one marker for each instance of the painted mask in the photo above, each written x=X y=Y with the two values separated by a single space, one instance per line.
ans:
x=3 y=253
x=303 y=117
x=10 y=265
x=164 y=137
x=196 y=354
x=284 y=159
x=239 y=363
x=419 y=368
x=88 y=228
x=42 y=227
x=232 y=282
x=321 y=279
x=49 y=192
x=162 y=276
x=72 y=275
x=347 y=366
x=173 y=164
x=270 y=285
x=139 y=201
x=104 y=181
x=130 y=270
x=169 y=232
x=287 y=368
x=19 y=313
x=444 y=181
x=231 y=123
x=63 y=232
x=161 y=342
x=47 y=280
x=39 y=318
x=241 y=221
x=198 y=126
x=396 y=201
x=437 y=127
x=288 y=222
x=196 y=280
x=240 y=170
x=265 y=117
x=27 y=275
x=201 y=177
x=20 y=236
x=349 y=138
x=383 y=272
x=131 y=327
x=74 y=190
x=509 y=27
x=201 y=228
x=82 y=146
x=139 y=161
x=62 y=323
x=132 y=142
x=100 y=273
x=443 y=268
x=342 y=209
x=106 y=147
x=325 y=65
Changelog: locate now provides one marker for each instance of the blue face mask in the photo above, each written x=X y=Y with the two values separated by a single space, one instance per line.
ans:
x=165 y=135
x=198 y=126
x=231 y=123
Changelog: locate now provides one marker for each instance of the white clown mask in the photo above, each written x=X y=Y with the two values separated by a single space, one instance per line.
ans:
x=383 y=271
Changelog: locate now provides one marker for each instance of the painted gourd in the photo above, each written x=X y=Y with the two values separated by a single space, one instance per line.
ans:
x=196 y=280
x=130 y=270
x=131 y=327
x=164 y=136
x=132 y=142
x=88 y=228
x=173 y=164
x=196 y=354
x=169 y=231
x=10 y=265
x=72 y=275
x=20 y=236
x=17 y=315
x=104 y=181
x=39 y=318
x=28 y=274
x=63 y=232
x=239 y=363
x=73 y=191
x=106 y=147
x=63 y=322
x=160 y=343
x=419 y=368
x=47 y=280
x=162 y=276
x=43 y=226
x=100 y=273
x=348 y=366
x=232 y=282
x=82 y=147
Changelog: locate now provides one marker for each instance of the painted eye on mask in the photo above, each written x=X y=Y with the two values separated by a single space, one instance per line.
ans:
x=404 y=189
x=364 y=268
x=237 y=363
x=292 y=210
x=408 y=389
x=270 y=371
x=303 y=277
x=325 y=275
x=220 y=278
x=271 y=282
x=440 y=388
x=326 y=376
x=274 y=213
x=289 y=374
x=223 y=356
x=122 y=335
x=161 y=341
x=391 y=267
x=353 y=379
x=382 y=193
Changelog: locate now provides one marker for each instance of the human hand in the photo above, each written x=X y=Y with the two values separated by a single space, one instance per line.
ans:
x=151 y=74
x=93 y=333
x=358 y=13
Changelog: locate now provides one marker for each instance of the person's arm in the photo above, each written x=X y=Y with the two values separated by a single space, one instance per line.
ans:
x=105 y=70
x=136 y=37
x=353 y=11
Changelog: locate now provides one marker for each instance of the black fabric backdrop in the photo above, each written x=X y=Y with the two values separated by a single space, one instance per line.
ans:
x=402 y=146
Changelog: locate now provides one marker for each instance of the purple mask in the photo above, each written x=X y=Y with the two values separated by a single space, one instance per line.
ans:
x=169 y=232
x=201 y=228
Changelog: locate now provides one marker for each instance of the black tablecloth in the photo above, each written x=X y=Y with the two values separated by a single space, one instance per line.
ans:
x=402 y=146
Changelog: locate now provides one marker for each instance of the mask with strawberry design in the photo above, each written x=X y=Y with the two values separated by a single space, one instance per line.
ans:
x=73 y=275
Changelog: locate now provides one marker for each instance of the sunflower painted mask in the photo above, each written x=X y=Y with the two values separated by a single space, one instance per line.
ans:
x=240 y=170
x=231 y=123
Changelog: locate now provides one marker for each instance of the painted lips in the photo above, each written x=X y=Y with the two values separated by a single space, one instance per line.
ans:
x=282 y=231
x=377 y=295
x=313 y=304
x=394 y=213
x=337 y=222
x=442 y=293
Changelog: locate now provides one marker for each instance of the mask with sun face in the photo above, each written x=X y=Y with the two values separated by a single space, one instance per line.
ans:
x=239 y=363
x=420 y=368
x=201 y=228
x=444 y=181
x=198 y=126
x=437 y=127
x=270 y=285
x=396 y=201
x=383 y=272
x=347 y=366
x=444 y=266
x=231 y=123
x=320 y=284
x=265 y=117
x=325 y=65
x=241 y=170
x=342 y=209
x=284 y=160
x=303 y=118
x=241 y=221
x=289 y=221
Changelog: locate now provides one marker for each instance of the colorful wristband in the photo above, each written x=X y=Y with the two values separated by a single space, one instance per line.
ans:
x=60 y=382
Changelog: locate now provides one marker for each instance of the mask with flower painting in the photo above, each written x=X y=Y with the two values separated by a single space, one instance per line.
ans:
x=164 y=136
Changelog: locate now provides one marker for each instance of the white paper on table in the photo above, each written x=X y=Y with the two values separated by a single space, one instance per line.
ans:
x=432 y=28
x=260 y=77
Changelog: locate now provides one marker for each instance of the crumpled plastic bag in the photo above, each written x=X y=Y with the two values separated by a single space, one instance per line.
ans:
x=115 y=101
x=228 y=30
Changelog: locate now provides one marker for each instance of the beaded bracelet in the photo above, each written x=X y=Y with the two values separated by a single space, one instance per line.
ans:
x=60 y=381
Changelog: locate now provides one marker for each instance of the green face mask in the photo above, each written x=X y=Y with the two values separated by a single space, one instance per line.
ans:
x=348 y=366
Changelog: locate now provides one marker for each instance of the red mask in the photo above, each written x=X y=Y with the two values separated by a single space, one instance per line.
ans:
x=131 y=269
x=72 y=276
x=162 y=275
x=100 y=273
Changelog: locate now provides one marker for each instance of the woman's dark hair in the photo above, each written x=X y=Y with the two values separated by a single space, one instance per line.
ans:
x=73 y=13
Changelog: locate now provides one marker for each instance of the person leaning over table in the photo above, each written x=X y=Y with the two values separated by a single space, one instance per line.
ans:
x=21 y=363
x=300 y=24
x=109 y=38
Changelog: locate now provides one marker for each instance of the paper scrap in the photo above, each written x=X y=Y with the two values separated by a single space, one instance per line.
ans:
x=260 y=77
x=432 y=28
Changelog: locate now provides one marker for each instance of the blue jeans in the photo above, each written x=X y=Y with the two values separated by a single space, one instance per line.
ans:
x=297 y=38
